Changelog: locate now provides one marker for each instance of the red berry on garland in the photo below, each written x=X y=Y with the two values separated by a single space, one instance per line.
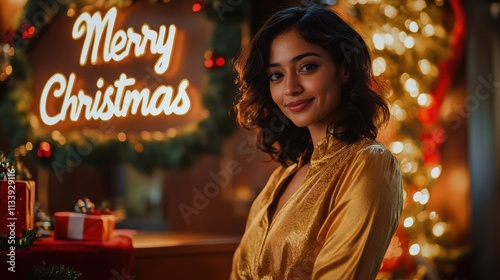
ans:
x=214 y=60
x=220 y=61
x=198 y=6
x=27 y=30
x=44 y=150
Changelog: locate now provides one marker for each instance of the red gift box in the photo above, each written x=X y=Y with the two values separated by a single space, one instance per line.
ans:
x=77 y=226
x=17 y=207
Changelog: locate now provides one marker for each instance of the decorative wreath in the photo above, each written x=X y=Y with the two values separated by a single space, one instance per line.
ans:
x=176 y=152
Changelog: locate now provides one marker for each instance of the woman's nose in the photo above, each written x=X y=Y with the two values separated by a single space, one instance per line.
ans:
x=292 y=85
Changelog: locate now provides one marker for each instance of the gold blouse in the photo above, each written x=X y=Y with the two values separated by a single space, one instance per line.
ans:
x=337 y=225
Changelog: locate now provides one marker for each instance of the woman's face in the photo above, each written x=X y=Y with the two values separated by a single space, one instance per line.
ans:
x=304 y=82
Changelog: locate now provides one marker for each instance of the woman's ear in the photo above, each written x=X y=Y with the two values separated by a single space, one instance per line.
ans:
x=344 y=75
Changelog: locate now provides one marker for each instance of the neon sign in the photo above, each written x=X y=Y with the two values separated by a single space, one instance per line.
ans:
x=121 y=97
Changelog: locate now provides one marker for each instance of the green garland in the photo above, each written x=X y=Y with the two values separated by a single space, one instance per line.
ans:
x=54 y=272
x=26 y=240
x=13 y=162
x=178 y=152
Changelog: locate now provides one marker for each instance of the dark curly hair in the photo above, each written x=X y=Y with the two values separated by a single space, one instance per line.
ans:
x=364 y=109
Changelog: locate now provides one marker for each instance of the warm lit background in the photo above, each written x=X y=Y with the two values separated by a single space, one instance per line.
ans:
x=420 y=49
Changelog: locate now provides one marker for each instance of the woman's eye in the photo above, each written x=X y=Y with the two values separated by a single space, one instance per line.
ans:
x=308 y=67
x=274 y=76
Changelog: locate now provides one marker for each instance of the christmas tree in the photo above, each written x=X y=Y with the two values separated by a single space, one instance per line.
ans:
x=414 y=56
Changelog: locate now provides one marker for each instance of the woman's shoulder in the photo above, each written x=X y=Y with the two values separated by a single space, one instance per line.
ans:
x=375 y=165
x=372 y=155
x=372 y=148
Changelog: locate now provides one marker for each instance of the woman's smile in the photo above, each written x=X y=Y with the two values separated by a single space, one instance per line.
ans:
x=299 y=105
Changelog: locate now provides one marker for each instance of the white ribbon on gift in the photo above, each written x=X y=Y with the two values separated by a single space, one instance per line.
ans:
x=76 y=223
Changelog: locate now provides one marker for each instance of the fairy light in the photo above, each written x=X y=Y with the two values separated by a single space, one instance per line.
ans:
x=171 y=132
x=389 y=39
x=378 y=65
x=424 y=99
x=414 y=249
x=398 y=112
x=22 y=150
x=425 y=18
x=122 y=137
x=409 y=42
x=71 y=12
x=56 y=134
x=432 y=215
x=413 y=27
x=146 y=135
x=417 y=196
x=158 y=136
x=390 y=11
x=438 y=229
x=378 y=41
x=435 y=172
x=411 y=86
x=397 y=147
x=138 y=147
x=404 y=77
x=426 y=250
x=425 y=66
x=408 y=222
x=424 y=196
x=428 y=30
x=8 y=70
x=419 y=5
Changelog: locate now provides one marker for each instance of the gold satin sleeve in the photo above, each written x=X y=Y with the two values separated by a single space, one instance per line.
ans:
x=358 y=229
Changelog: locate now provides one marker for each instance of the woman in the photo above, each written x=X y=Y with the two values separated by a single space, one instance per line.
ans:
x=330 y=210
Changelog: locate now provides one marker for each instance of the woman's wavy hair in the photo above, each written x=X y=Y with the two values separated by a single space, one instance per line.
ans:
x=364 y=109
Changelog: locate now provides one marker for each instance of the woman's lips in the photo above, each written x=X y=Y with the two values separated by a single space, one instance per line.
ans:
x=299 y=105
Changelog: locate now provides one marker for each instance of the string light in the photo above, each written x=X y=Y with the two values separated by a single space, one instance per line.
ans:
x=378 y=66
x=146 y=135
x=424 y=99
x=424 y=196
x=121 y=136
x=397 y=147
x=414 y=249
x=435 y=172
x=171 y=132
x=438 y=229
x=390 y=11
x=55 y=135
x=138 y=147
x=378 y=41
x=408 y=222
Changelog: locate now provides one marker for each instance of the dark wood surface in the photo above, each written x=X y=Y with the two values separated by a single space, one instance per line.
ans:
x=179 y=256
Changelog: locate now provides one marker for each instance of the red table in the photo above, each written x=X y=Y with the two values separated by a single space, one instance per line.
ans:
x=112 y=259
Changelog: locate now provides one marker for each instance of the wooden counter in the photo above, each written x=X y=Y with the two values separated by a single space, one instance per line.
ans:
x=182 y=256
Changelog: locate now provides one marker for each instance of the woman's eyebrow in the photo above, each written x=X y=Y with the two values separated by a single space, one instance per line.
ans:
x=294 y=59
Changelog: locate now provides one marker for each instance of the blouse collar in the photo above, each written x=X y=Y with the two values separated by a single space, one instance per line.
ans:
x=325 y=149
